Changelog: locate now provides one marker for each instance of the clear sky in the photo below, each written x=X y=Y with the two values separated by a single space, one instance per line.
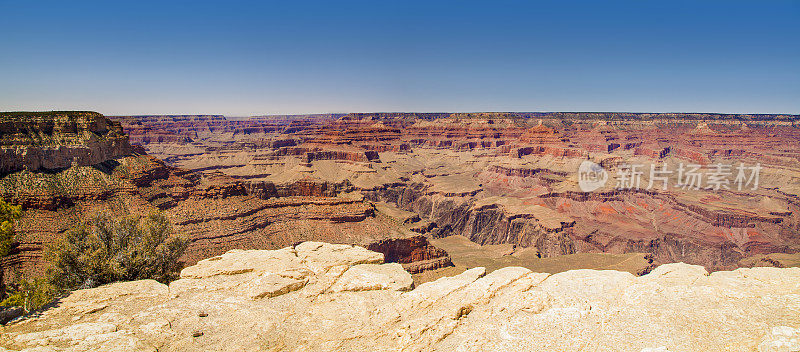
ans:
x=245 y=57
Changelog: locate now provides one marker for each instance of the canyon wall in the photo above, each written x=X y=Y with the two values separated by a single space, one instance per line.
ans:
x=216 y=212
x=511 y=178
x=494 y=178
x=56 y=140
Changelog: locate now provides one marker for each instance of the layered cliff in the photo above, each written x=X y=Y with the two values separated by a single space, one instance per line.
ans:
x=321 y=297
x=511 y=178
x=415 y=253
x=68 y=167
x=215 y=212
x=58 y=139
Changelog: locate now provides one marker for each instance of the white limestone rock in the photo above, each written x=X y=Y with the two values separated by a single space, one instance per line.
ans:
x=365 y=277
x=324 y=297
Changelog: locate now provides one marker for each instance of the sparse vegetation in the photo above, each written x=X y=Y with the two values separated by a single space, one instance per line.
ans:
x=50 y=128
x=8 y=214
x=100 y=251
x=107 y=250
x=30 y=294
x=70 y=183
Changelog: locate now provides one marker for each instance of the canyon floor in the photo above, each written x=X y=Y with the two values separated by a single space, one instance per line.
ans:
x=466 y=254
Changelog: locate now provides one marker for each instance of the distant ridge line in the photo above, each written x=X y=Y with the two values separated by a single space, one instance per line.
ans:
x=618 y=116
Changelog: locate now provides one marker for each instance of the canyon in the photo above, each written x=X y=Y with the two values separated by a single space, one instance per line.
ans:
x=81 y=164
x=415 y=186
x=512 y=178
x=404 y=176
x=419 y=232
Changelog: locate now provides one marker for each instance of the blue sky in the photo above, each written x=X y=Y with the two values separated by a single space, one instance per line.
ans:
x=245 y=57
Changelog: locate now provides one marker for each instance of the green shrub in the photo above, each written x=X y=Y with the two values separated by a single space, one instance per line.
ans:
x=106 y=250
x=30 y=295
x=100 y=251
x=8 y=214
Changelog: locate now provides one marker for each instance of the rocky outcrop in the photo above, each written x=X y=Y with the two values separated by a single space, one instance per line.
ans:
x=322 y=297
x=57 y=140
x=310 y=153
x=415 y=253
x=573 y=222
x=216 y=212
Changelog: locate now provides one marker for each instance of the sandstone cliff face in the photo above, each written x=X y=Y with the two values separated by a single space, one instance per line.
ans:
x=321 y=297
x=55 y=140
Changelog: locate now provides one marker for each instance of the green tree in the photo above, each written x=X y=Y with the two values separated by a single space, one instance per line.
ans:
x=8 y=215
x=106 y=250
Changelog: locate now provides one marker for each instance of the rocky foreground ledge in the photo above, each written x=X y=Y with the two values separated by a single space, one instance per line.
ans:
x=318 y=296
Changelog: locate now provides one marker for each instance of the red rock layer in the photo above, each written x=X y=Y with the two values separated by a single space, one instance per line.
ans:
x=415 y=253
x=670 y=226
x=216 y=212
x=55 y=140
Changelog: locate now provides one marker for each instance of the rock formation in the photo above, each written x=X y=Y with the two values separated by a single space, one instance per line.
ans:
x=66 y=167
x=511 y=177
x=494 y=178
x=56 y=140
x=321 y=297
x=415 y=253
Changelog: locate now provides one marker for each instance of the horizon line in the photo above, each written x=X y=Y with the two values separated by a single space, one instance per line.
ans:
x=411 y=112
